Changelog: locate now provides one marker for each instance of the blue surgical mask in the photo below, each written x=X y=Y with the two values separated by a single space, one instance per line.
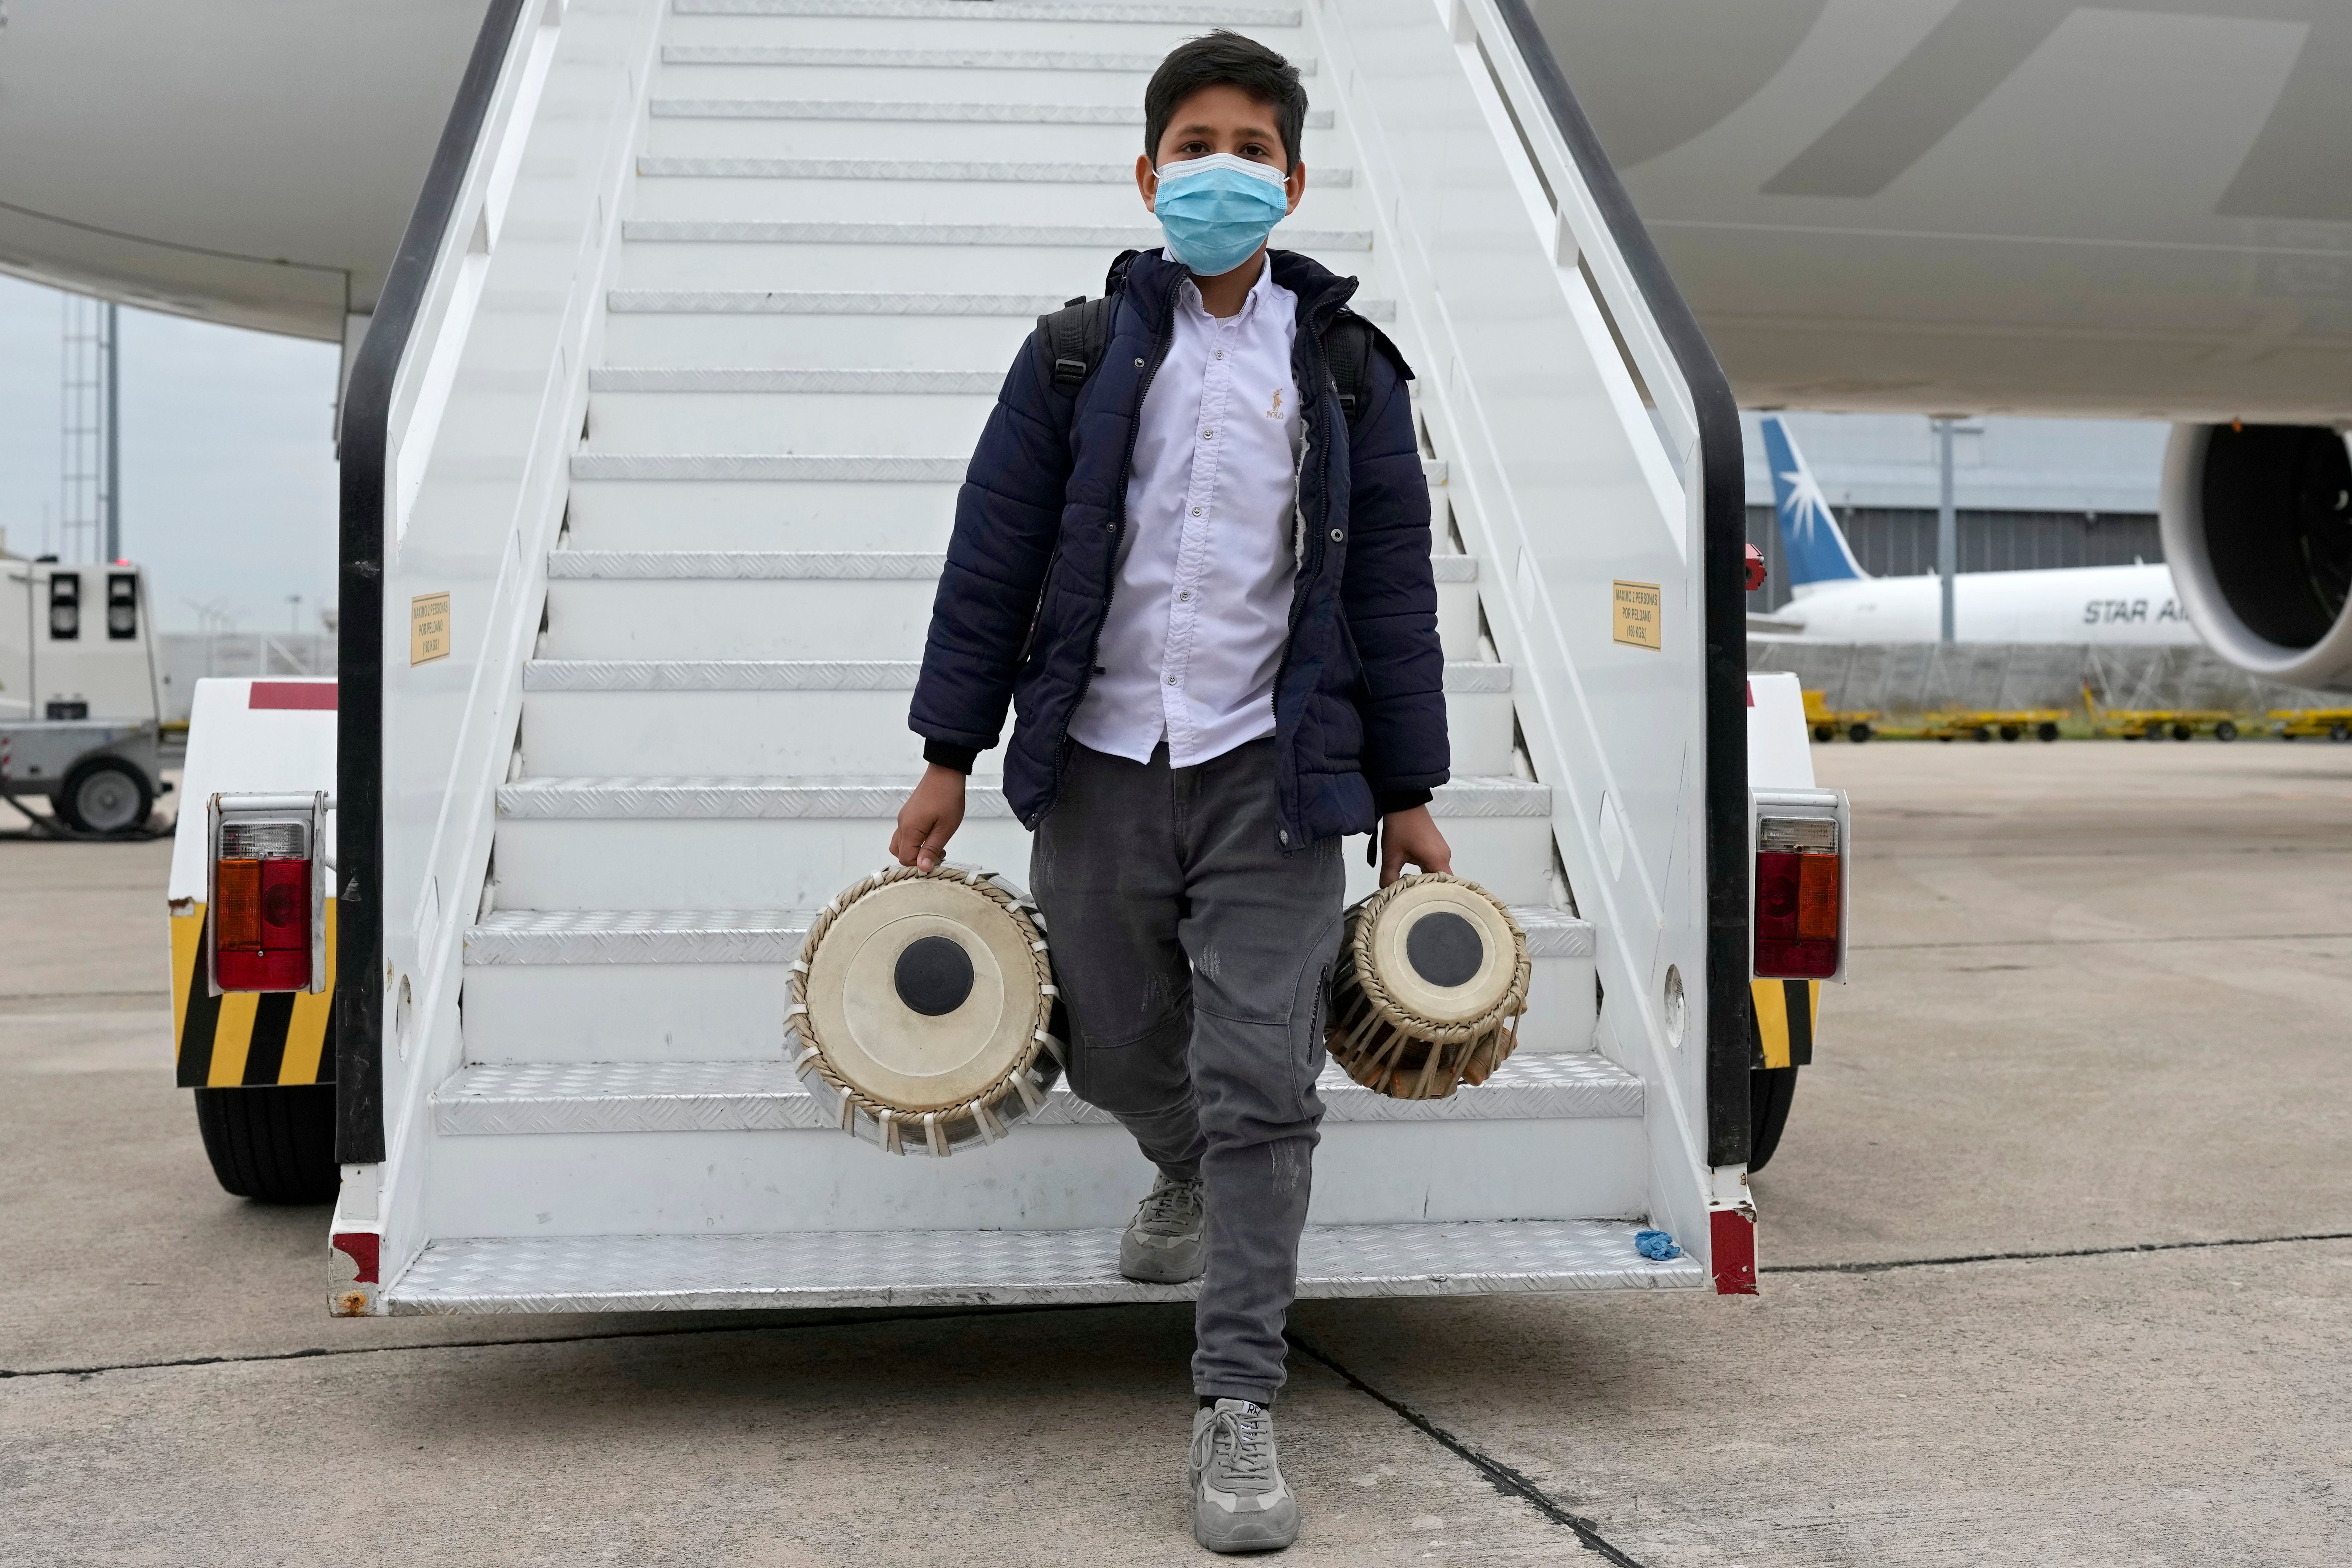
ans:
x=1216 y=211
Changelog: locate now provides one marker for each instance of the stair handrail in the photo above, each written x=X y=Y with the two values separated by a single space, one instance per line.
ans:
x=1701 y=419
x=420 y=279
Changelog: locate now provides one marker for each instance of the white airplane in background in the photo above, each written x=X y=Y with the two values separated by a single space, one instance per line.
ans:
x=1837 y=602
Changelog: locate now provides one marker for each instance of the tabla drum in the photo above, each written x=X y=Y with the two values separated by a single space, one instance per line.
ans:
x=1427 y=992
x=922 y=1009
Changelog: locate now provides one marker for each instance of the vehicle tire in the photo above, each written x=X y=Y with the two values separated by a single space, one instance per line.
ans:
x=1824 y=732
x=105 y=795
x=1983 y=734
x=1858 y=734
x=2339 y=732
x=274 y=1144
x=1769 y=1091
x=2046 y=732
x=2225 y=730
x=2010 y=732
x=2182 y=732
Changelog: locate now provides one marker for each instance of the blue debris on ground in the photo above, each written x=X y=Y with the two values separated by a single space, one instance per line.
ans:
x=1656 y=1246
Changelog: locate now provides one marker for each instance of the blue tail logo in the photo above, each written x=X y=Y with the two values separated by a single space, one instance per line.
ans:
x=1812 y=541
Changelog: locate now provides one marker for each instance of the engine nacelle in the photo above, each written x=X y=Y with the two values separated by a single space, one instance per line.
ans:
x=2258 y=531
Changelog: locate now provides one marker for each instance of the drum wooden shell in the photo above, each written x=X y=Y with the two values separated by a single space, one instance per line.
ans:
x=1426 y=995
x=922 y=1008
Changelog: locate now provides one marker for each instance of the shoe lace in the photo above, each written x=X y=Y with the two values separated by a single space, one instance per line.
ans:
x=1249 y=1455
x=1170 y=1204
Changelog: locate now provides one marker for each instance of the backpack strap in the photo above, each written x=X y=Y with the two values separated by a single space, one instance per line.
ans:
x=1070 y=342
x=1349 y=343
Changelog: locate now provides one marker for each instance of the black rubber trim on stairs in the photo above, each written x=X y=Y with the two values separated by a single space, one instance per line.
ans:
x=1499 y=1475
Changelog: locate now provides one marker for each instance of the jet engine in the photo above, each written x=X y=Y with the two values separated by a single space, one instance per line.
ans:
x=2257 y=524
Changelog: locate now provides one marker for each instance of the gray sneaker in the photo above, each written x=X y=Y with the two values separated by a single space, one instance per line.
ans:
x=1240 y=1501
x=1162 y=1243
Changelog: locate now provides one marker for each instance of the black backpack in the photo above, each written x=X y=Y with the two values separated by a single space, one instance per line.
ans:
x=1070 y=341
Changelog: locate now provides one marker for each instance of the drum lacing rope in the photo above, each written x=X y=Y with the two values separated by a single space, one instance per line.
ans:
x=1016 y=1079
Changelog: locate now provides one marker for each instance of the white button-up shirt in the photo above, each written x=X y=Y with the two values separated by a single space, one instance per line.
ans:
x=1195 y=627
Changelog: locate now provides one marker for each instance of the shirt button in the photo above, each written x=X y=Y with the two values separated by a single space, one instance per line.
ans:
x=1196 y=511
x=1208 y=435
x=1221 y=353
x=1171 y=679
x=1186 y=594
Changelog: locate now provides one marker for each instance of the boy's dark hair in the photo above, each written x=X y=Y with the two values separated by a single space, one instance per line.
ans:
x=1225 y=60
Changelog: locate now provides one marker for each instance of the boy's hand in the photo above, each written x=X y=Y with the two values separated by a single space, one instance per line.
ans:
x=1412 y=836
x=930 y=818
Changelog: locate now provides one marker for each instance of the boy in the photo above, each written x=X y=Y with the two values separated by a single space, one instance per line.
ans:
x=1209 y=590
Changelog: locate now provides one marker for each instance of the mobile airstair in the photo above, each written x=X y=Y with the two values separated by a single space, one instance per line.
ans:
x=649 y=462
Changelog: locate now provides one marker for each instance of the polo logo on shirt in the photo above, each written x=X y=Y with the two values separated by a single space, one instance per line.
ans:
x=1273 y=408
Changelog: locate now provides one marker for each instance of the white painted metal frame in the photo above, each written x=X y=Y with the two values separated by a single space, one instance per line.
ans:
x=1561 y=478
x=486 y=410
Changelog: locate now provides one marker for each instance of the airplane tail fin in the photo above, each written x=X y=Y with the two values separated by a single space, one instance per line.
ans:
x=1813 y=545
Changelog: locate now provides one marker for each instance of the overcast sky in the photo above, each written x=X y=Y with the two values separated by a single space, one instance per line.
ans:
x=228 y=458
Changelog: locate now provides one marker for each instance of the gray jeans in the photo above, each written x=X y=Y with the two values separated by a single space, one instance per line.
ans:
x=1192 y=953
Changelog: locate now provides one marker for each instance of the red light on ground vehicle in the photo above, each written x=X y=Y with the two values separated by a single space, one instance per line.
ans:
x=261 y=907
x=1797 y=898
x=1755 y=569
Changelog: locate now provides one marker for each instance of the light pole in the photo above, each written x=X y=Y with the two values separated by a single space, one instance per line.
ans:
x=1947 y=519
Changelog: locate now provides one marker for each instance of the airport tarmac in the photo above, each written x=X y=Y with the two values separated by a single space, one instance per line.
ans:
x=2058 y=1262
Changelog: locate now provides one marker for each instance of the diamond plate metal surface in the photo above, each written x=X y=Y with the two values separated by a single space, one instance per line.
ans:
x=1555 y=934
x=748 y=566
x=1464 y=675
x=720 y=675
x=804 y=302
x=1081 y=236
x=758 y=466
x=585 y=799
x=925 y=59
x=1455 y=568
x=641 y=378
x=637 y=937
x=529 y=1098
x=774 y=936
x=1003 y=11
x=996 y=1267
x=807 y=302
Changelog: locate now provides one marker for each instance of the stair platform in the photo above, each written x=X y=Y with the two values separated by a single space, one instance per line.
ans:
x=996 y=1267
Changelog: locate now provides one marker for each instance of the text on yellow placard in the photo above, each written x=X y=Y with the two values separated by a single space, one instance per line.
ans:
x=1636 y=610
x=428 y=628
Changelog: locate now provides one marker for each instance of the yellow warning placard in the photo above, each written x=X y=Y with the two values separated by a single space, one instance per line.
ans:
x=1636 y=611
x=428 y=628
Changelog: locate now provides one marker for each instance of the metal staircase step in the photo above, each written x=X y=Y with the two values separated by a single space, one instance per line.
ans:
x=869 y=302
x=943 y=172
x=1169 y=11
x=997 y=1268
x=973 y=112
x=1103 y=238
x=1142 y=63
x=514 y=937
x=519 y=1099
x=577 y=800
x=795 y=604
x=1462 y=676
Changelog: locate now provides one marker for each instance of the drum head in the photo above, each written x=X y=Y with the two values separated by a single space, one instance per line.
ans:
x=1444 y=950
x=923 y=993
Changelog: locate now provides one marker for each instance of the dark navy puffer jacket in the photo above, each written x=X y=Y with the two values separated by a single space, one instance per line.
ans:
x=1359 y=701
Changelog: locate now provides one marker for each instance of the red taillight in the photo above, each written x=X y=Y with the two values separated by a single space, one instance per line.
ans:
x=1797 y=902
x=262 y=908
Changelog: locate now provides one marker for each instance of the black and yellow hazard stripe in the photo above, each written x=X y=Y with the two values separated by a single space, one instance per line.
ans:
x=246 y=1038
x=1782 y=1021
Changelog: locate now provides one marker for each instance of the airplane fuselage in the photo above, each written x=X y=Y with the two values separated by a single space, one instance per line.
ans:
x=2102 y=605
